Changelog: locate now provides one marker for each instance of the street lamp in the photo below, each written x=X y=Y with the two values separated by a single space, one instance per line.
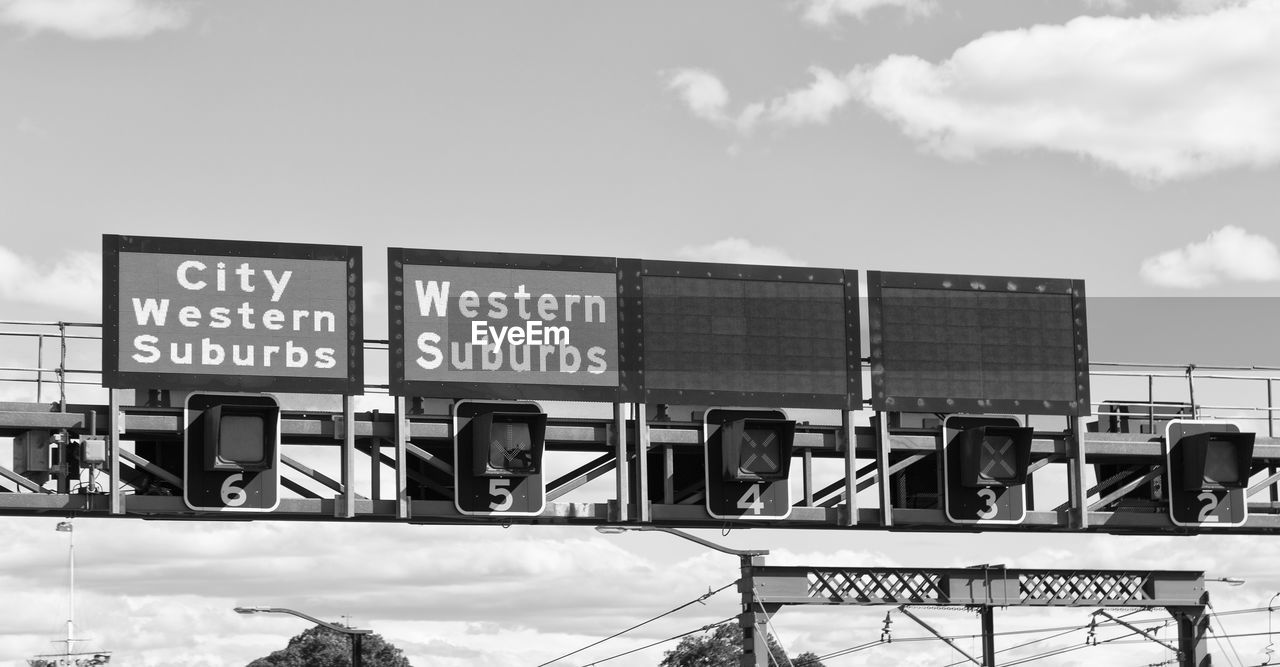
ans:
x=356 y=634
x=744 y=554
x=754 y=618
x=1230 y=581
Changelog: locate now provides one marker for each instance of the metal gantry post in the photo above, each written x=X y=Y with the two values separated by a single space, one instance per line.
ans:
x=987 y=613
x=754 y=620
x=620 y=455
x=883 y=447
x=1193 y=640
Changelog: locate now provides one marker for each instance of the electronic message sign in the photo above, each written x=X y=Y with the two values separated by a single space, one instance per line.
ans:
x=235 y=315
x=978 y=344
x=759 y=336
x=503 y=325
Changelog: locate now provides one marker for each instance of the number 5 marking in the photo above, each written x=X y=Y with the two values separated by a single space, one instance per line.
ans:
x=232 y=495
x=750 y=500
x=498 y=487
x=1210 y=500
x=989 y=497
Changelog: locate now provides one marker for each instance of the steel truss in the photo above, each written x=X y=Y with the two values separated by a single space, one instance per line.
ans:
x=660 y=487
x=766 y=589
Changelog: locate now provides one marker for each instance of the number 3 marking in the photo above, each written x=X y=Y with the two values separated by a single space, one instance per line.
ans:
x=498 y=487
x=750 y=500
x=1210 y=500
x=232 y=495
x=989 y=497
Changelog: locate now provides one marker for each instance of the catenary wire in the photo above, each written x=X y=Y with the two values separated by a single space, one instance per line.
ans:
x=701 y=598
x=772 y=631
x=661 y=641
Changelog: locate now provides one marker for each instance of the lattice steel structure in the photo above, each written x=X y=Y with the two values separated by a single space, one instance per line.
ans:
x=766 y=589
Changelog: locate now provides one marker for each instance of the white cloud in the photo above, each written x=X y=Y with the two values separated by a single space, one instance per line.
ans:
x=71 y=280
x=708 y=99
x=1130 y=93
x=1230 y=253
x=702 y=92
x=828 y=12
x=1159 y=98
x=737 y=251
x=94 y=19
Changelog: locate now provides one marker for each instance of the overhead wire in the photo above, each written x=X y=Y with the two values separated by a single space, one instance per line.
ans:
x=768 y=621
x=1228 y=638
x=697 y=600
x=661 y=641
x=1033 y=641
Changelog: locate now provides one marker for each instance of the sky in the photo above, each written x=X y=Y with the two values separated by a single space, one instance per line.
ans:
x=1133 y=144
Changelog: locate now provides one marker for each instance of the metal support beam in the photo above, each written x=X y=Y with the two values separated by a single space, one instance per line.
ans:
x=848 y=439
x=987 y=614
x=623 y=479
x=401 y=439
x=114 y=427
x=643 y=511
x=883 y=446
x=977 y=586
x=1193 y=630
x=346 y=505
x=1078 y=516
x=754 y=619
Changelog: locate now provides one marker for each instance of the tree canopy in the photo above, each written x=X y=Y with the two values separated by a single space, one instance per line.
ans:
x=723 y=648
x=322 y=647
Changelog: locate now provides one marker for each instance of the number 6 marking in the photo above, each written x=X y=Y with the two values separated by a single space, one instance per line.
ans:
x=232 y=495
x=989 y=497
x=1210 y=500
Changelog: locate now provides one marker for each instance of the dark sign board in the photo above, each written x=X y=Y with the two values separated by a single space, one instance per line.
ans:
x=732 y=335
x=981 y=344
x=233 y=315
x=503 y=325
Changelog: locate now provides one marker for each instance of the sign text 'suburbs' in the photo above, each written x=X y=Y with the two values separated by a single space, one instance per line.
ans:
x=253 y=319
x=504 y=326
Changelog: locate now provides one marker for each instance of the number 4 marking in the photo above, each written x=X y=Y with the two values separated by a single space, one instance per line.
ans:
x=750 y=500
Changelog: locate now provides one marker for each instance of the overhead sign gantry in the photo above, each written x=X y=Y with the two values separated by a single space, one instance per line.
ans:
x=742 y=348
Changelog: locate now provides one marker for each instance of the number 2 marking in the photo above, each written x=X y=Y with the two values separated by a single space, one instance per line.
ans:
x=989 y=497
x=750 y=500
x=1210 y=500
x=498 y=487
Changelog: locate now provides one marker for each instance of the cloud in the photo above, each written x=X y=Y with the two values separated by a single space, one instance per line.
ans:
x=828 y=12
x=1230 y=253
x=708 y=99
x=702 y=92
x=94 y=19
x=1125 y=92
x=737 y=251
x=71 y=280
x=1128 y=93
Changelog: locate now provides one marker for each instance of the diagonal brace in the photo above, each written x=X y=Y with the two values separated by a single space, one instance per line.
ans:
x=939 y=635
x=1142 y=632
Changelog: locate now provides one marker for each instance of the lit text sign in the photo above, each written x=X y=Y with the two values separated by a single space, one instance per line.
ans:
x=485 y=325
x=199 y=314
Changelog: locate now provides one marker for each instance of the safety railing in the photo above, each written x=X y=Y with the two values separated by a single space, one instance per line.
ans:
x=53 y=370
